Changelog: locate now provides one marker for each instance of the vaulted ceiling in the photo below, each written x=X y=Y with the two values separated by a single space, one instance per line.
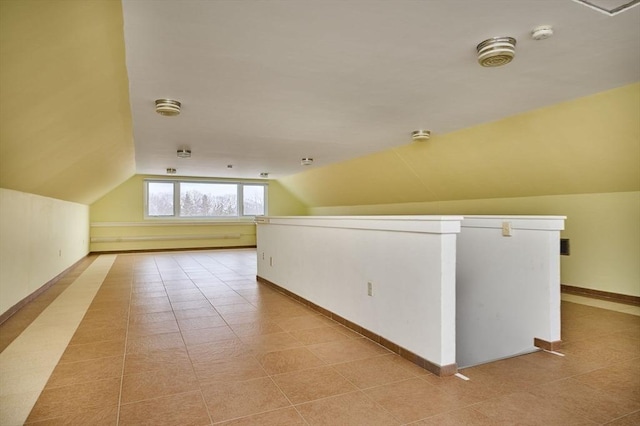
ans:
x=264 y=84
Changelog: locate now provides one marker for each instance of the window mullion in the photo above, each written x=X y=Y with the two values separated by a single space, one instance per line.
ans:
x=176 y=198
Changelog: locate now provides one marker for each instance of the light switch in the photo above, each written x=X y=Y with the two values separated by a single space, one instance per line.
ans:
x=506 y=229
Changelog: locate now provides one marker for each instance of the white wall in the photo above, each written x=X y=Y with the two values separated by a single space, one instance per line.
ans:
x=508 y=287
x=410 y=262
x=40 y=237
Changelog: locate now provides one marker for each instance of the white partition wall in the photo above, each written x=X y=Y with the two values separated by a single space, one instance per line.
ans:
x=508 y=286
x=407 y=263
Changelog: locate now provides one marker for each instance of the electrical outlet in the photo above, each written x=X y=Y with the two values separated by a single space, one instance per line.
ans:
x=370 y=288
x=262 y=255
x=506 y=229
x=270 y=261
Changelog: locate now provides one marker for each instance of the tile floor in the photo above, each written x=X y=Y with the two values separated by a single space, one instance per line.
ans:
x=190 y=338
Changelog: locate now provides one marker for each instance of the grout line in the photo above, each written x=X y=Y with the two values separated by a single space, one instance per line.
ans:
x=124 y=356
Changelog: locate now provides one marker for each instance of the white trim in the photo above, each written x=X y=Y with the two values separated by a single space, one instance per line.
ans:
x=168 y=238
x=176 y=222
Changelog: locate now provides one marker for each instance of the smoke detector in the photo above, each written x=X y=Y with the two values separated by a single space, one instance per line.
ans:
x=306 y=161
x=541 y=32
x=496 y=51
x=184 y=153
x=168 y=107
x=420 y=135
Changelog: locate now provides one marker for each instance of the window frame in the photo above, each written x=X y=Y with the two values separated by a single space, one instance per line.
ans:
x=240 y=217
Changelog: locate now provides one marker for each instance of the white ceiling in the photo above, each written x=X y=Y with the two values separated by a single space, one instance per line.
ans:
x=265 y=83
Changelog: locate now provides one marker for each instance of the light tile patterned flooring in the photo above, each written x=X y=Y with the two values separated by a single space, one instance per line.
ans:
x=190 y=338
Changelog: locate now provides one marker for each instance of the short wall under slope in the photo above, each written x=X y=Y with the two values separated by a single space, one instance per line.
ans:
x=394 y=276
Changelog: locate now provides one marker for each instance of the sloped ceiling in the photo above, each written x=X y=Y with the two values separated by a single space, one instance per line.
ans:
x=65 y=119
x=266 y=83
x=588 y=145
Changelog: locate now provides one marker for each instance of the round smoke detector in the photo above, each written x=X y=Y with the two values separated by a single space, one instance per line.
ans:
x=542 y=32
x=496 y=51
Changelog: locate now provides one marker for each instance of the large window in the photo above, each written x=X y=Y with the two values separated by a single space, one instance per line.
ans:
x=200 y=199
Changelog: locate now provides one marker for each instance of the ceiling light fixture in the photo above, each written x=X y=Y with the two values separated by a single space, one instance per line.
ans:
x=420 y=135
x=171 y=171
x=541 y=32
x=168 y=107
x=496 y=51
x=264 y=174
x=184 y=153
x=306 y=161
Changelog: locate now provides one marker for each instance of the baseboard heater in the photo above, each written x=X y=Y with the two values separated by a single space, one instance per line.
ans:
x=121 y=239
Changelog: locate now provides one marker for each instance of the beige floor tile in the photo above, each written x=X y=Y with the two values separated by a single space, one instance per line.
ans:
x=347 y=350
x=348 y=409
x=578 y=397
x=138 y=387
x=413 y=399
x=312 y=384
x=280 y=417
x=463 y=416
x=65 y=400
x=287 y=360
x=376 y=371
x=183 y=409
x=228 y=370
x=525 y=408
x=74 y=373
x=239 y=399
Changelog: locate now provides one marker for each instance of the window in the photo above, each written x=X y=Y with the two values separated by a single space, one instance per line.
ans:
x=203 y=199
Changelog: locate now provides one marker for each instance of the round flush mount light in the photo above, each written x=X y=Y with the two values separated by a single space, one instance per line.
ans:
x=184 y=153
x=306 y=161
x=542 y=32
x=168 y=107
x=264 y=175
x=496 y=51
x=420 y=135
x=171 y=171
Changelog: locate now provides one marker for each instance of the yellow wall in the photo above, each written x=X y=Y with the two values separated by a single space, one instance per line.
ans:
x=588 y=145
x=579 y=158
x=119 y=216
x=40 y=237
x=65 y=119
x=604 y=230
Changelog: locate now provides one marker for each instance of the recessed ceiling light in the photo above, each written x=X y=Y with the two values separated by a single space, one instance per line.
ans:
x=184 y=153
x=168 y=107
x=171 y=171
x=306 y=161
x=496 y=51
x=420 y=135
x=264 y=174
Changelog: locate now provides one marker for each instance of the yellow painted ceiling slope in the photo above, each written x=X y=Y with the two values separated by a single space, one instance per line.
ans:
x=65 y=120
x=588 y=145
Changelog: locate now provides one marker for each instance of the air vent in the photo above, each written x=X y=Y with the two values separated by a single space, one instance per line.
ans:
x=609 y=7
x=565 y=249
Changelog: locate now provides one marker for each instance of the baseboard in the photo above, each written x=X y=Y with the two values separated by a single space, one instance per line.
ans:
x=602 y=295
x=170 y=249
x=15 y=308
x=546 y=345
x=440 y=370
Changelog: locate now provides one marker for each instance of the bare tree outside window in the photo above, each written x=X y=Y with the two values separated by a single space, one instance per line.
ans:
x=208 y=199
x=253 y=200
x=160 y=199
